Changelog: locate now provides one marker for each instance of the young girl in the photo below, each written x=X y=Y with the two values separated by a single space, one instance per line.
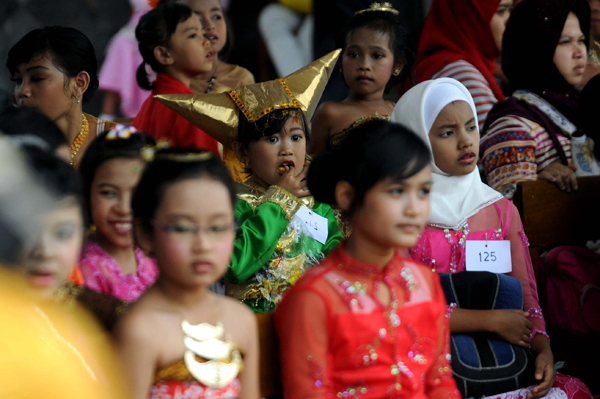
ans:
x=111 y=169
x=372 y=59
x=55 y=70
x=184 y=215
x=367 y=322
x=283 y=231
x=171 y=41
x=463 y=209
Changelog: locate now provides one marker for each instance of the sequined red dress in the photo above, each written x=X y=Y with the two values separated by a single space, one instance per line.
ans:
x=343 y=336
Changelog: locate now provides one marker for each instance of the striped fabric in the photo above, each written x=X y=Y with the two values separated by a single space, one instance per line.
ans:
x=516 y=149
x=474 y=81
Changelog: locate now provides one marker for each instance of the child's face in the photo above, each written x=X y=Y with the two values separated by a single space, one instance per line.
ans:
x=286 y=148
x=571 y=53
x=454 y=139
x=394 y=213
x=58 y=248
x=110 y=198
x=190 y=52
x=367 y=62
x=213 y=21
x=194 y=232
x=498 y=22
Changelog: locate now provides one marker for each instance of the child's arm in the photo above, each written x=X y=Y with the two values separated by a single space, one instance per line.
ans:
x=136 y=344
x=260 y=230
x=301 y=321
x=321 y=128
x=246 y=321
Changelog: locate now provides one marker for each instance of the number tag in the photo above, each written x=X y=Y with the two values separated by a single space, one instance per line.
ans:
x=314 y=224
x=489 y=256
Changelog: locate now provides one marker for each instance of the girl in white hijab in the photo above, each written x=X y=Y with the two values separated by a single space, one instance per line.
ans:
x=464 y=209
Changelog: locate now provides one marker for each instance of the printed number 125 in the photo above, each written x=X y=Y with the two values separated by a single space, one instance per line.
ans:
x=487 y=256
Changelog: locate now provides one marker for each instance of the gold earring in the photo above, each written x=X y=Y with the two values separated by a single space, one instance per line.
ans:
x=396 y=72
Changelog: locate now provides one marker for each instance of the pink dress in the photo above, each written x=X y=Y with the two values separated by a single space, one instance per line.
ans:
x=444 y=251
x=102 y=273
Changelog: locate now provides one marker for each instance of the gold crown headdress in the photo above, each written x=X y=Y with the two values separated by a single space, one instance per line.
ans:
x=386 y=7
x=217 y=113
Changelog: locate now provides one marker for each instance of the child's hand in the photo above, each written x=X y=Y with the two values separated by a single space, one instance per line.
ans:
x=544 y=374
x=295 y=184
x=512 y=325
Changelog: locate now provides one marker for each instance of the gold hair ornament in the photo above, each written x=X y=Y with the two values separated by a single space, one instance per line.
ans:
x=385 y=7
x=121 y=132
x=594 y=53
x=189 y=157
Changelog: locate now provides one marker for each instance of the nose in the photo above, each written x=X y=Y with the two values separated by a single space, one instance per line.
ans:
x=42 y=249
x=364 y=64
x=411 y=205
x=123 y=205
x=286 y=148
x=465 y=140
x=22 y=91
x=580 y=51
x=202 y=240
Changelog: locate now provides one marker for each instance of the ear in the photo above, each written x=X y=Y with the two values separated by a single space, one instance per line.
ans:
x=162 y=55
x=344 y=195
x=398 y=67
x=141 y=237
x=81 y=83
x=240 y=153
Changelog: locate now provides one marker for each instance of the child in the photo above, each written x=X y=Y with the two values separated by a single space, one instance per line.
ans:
x=171 y=41
x=274 y=245
x=184 y=215
x=367 y=322
x=111 y=169
x=443 y=114
x=372 y=59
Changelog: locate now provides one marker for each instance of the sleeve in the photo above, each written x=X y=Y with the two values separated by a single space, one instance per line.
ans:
x=301 y=321
x=334 y=236
x=187 y=135
x=522 y=269
x=260 y=230
x=439 y=383
x=112 y=75
x=508 y=155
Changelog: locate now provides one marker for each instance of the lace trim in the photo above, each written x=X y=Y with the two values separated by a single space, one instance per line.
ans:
x=451 y=308
x=464 y=220
x=535 y=312
x=289 y=203
x=536 y=332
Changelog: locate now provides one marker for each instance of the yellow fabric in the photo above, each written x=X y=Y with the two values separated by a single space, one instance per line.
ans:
x=300 y=6
x=217 y=114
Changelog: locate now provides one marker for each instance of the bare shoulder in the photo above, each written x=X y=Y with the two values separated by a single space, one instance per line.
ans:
x=239 y=321
x=143 y=322
x=235 y=311
x=330 y=109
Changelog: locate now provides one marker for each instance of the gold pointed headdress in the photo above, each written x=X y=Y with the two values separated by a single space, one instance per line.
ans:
x=387 y=7
x=217 y=114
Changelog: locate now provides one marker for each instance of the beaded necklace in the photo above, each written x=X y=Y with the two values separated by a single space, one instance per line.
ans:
x=212 y=80
x=454 y=246
x=80 y=138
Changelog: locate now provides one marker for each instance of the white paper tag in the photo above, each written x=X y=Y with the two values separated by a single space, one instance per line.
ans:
x=314 y=225
x=489 y=256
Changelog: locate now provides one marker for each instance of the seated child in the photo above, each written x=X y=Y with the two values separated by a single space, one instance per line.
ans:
x=368 y=322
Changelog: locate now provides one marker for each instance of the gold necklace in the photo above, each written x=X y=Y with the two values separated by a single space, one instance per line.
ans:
x=80 y=138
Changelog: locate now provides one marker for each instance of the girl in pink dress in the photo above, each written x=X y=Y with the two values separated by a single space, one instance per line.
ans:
x=110 y=169
x=443 y=113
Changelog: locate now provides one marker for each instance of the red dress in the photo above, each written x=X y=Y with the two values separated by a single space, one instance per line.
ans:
x=338 y=339
x=163 y=123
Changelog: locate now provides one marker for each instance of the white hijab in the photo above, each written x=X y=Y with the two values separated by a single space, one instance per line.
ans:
x=454 y=199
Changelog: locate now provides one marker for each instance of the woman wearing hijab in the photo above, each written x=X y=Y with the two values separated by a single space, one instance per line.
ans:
x=528 y=136
x=461 y=40
x=443 y=114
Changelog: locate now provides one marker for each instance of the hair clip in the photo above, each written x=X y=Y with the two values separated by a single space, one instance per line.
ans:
x=189 y=157
x=122 y=132
x=385 y=7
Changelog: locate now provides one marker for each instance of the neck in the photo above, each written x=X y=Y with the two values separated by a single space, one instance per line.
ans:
x=207 y=76
x=371 y=98
x=124 y=256
x=364 y=250
x=70 y=124
x=186 y=297
x=179 y=75
x=257 y=181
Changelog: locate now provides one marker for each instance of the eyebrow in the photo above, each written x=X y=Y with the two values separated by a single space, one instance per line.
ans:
x=37 y=67
x=216 y=9
x=101 y=185
x=190 y=28
x=371 y=47
x=454 y=125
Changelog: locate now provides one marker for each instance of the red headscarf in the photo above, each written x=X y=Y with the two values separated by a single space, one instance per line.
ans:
x=459 y=30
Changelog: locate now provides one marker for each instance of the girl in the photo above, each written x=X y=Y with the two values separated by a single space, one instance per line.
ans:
x=283 y=230
x=443 y=114
x=461 y=40
x=528 y=136
x=171 y=41
x=111 y=169
x=372 y=59
x=367 y=322
x=184 y=215
x=55 y=70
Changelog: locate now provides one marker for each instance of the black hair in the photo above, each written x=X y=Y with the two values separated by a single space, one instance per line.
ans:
x=102 y=150
x=71 y=52
x=387 y=23
x=370 y=153
x=166 y=170
x=54 y=174
x=589 y=103
x=21 y=121
x=155 y=29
